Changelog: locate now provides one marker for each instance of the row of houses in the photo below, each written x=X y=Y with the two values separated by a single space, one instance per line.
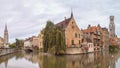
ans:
x=95 y=38
x=34 y=41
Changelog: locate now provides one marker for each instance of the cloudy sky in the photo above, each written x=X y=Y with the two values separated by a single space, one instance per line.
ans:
x=27 y=17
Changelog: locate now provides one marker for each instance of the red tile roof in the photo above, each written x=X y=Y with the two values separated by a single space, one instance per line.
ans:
x=63 y=24
x=92 y=29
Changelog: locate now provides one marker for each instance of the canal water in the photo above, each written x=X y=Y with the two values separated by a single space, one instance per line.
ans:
x=40 y=60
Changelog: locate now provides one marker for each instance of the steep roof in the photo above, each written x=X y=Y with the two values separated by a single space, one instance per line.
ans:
x=92 y=29
x=63 y=24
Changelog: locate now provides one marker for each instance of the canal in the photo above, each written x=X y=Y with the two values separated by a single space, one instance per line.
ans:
x=40 y=60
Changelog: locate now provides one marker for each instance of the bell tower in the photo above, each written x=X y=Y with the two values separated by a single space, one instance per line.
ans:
x=112 y=27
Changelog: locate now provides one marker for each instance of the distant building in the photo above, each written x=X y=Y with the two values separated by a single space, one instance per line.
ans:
x=112 y=27
x=6 y=37
x=40 y=36
x=73 y=35
x=113 y=39
x=31 y=42
x=35 y=41
x=1 y=42
x=28 y=42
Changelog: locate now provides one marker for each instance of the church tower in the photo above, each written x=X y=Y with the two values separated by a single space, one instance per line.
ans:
x=6 y=37
x=112 y=27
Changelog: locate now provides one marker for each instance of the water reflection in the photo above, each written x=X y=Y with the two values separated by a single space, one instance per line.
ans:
x=39 y=60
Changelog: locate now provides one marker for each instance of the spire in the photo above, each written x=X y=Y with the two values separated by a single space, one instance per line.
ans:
x=71 y=13
x=6 y=27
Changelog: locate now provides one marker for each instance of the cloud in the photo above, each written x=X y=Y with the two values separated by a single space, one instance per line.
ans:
x=27 y=17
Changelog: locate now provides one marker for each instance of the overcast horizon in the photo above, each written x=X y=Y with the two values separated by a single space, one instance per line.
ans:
x=26 y=18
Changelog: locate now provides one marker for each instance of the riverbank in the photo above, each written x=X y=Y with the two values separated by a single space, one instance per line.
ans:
x=6 y=51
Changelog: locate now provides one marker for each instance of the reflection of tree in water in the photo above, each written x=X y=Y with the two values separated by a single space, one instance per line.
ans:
x=54 y=62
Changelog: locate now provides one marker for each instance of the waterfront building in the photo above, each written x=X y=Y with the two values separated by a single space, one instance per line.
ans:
x=28 y=42
x=1 y=42
x=94 y=34
x=40 y=36
x=73 y=35
x=105 y=38
x=35 y=41
x=6 y=37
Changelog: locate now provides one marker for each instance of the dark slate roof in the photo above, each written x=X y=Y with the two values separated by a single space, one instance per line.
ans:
x=63 y=24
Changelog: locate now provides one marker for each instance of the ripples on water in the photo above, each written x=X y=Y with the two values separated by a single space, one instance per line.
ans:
x=39 y=60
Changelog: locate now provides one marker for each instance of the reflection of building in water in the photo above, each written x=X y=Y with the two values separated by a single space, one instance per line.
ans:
x=6 y=63
x=35 y=58
x=113 y=59
x=80 y=61
x=91 y=60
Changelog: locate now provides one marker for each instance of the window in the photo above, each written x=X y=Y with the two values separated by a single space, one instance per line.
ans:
x=76 y=35
x=79 y=41
x=72 y=42
x=82 y=40
x=79 y=35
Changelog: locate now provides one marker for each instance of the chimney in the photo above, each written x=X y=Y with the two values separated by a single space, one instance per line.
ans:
x=65 y=20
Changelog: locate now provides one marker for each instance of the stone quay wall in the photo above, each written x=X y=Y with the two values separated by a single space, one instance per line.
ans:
x=74 y=50
x=5 y=51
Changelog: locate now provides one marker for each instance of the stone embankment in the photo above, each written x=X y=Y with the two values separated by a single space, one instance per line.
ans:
x=5 y=51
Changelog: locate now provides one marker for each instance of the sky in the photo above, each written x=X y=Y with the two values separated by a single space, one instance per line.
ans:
x=26 y=18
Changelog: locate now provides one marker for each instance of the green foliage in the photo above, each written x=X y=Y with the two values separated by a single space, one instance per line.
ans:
x=53 y=40
x=19 y=44
x=113 y=48
x=13 y=45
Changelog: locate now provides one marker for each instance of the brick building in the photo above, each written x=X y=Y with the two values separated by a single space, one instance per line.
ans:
x=73 y=35
x=105 y=38
x=94 y=34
